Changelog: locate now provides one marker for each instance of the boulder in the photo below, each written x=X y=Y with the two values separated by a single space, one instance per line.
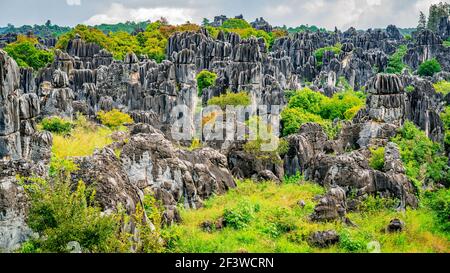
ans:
x=323 y=239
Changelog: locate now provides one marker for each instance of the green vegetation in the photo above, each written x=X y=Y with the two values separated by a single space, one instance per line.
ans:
x=439 y=202
x=62 y=215
x=318 y=53
x=447 y=43
x=114 y=119
x=304 y=28
x=46 y=30
x=423 y=158
x=205 y=79
x=234 y=23
x=409 y=88
x=128 y=27
x=310 y=106
x=442 y=87
x=395 y=63
x=265 y=217
x=83 y=140
x=377 y=159
x=25 y=53
x=442 y=9
x=152 y=42
x=231 y=99
x=429 y=68
x=57 y=125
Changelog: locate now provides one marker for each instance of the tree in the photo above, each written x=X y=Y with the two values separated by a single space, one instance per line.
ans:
x=205 y=79
x=428 y=68
x=422 y=21
x=25 y=53
x=205 y=22
x=436 y=12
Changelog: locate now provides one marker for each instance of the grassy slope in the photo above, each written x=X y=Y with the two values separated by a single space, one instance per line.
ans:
x=278 y=207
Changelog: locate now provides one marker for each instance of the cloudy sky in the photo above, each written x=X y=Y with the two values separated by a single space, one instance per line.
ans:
x=362 y=14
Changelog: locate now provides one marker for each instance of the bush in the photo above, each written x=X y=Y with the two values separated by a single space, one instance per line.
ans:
x=61 y=216
x=439 y=202
x=318 y=53
x=25 y=53
x=377 y=159
x=294 y=118
x=429 y=68
x=205 y=79
x=294 y=179
x=409 y=88
x=114 y=119
x=240 y=216
x=352 y=244
x=445 y=116
x=442 y=87
x=309 y=106
x=343 y=105
x=395 y=62
x=57 y=125
x=236 y=24
x=231 y=99
x=307 y=100
x=423 y=158
x=63 y=213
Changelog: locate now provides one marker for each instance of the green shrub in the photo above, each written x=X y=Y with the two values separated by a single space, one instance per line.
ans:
x=377 y=159
x=309 y=106
x=294 y=179
x=350 y=243
x=205 y=79
x=442 y=87
x=374 y=204
x=61 y=213
x=307 y=100
x=447 y=43
x=409 y=88
x=61 y=216
x=240 y=216
x=423 y=158
x=25 y=53
x=114 y=119
x=395 y=62
x=429 y=68
x=318 y=53
x=340 y=103
x=294 y=118
x=57 y=125
x=439 y=202
x=231 y=99
x=445 y=116
x=236 y=24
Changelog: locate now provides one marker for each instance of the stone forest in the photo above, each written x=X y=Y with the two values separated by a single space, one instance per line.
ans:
x=90 y=162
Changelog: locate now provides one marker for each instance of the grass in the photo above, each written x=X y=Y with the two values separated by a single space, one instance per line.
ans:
x=442 y=87
x=84 y=139
x=280 y=225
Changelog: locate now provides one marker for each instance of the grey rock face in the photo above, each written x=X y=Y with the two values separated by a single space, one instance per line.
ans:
x=332 y=206
x=427 y=45
x=396 y=225
x=175 y=175
x=323 y=239
x=104 y=171
x=244 y=165
x=9 y=108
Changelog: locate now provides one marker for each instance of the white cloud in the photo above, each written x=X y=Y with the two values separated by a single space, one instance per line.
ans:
x=73 y=2
x=117 y=13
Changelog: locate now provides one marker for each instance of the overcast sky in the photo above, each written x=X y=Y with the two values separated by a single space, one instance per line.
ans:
x=361 y=14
